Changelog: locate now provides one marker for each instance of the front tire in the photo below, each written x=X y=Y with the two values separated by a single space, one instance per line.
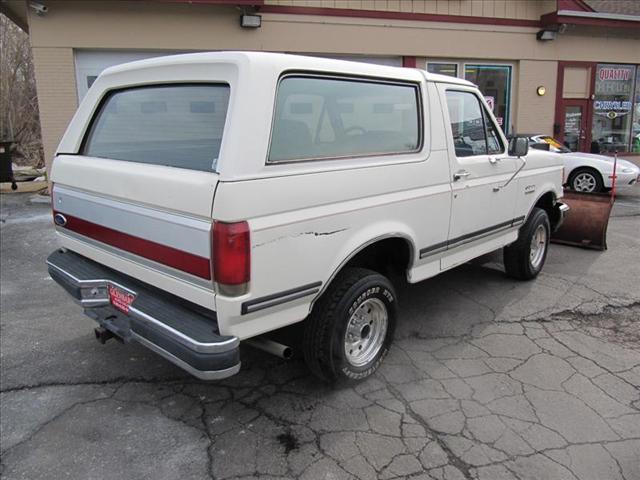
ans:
x=351 y=327
x=586 y=180
x=525 y=258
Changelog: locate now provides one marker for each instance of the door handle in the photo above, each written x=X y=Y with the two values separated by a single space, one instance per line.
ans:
x=494 y=160
x=461 y=174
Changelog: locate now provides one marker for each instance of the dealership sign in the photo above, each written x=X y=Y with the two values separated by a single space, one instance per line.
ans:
x=614 y=80
x=611 y=108
x=615 y=105
x=610 y=73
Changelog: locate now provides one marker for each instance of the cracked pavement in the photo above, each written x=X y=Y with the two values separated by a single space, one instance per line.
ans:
x=488 y=379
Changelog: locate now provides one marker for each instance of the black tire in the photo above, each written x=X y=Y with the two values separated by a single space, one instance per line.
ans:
x=517 y=256
x=326 y=328
x=588 y=172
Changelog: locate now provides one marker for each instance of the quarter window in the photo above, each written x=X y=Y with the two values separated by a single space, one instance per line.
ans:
x=473 y=131
x=319 y=118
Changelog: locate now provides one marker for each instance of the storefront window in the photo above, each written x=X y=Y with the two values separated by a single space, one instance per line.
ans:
x=450 y=69
x=612 y=108
x=635 y=130
x=494 y=81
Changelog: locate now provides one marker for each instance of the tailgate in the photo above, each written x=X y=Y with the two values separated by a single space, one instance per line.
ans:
x=137 y=197
x=149 y=224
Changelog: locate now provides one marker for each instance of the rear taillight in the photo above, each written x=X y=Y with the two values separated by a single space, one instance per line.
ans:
x=231 y=257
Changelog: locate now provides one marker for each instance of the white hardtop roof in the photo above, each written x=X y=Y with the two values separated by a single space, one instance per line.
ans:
x=284 y=62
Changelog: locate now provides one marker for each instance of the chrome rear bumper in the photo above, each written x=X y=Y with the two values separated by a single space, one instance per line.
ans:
x=183 y=333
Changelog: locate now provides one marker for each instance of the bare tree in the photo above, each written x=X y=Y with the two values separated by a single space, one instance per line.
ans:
x=19 y=118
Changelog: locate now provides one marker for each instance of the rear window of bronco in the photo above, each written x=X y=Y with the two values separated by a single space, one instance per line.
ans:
x=172 y=125
x=328 y=117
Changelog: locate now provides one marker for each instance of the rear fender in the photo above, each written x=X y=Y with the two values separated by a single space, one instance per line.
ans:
x=365 y=238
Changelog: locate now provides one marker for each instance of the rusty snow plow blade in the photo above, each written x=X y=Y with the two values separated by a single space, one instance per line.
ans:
x=586 y=222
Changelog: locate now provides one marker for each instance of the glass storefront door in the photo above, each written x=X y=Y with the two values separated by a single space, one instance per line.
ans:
x=575 y=125
x=608 y=110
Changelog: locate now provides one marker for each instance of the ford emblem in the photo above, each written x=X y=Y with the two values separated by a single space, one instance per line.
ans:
x=59 y=219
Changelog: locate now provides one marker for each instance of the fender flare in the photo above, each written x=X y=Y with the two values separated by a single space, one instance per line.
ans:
x=404 y=236
x=553 y=192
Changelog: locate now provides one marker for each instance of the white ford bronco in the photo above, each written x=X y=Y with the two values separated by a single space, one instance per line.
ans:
x=206 y=199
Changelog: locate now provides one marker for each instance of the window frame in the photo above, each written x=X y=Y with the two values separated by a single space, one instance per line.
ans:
x=107 y=94
x=486 y=115
x=354 y=78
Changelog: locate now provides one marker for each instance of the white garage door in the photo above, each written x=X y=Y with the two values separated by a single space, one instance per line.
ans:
x=381 y=60
x=89 y=64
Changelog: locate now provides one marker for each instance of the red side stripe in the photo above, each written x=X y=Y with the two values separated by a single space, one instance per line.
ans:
x=172 y=257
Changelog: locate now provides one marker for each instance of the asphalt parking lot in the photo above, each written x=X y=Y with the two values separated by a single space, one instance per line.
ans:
x=488 y=379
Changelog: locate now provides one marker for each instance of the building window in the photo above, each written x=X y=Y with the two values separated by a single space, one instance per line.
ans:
x=450 y=69
x=613 y=112
x=90 y=80
x=494 y=81
x=635 y=127
x=473 y=132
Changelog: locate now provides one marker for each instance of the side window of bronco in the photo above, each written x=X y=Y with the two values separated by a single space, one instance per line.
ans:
x=472 y=130
x=321 y=118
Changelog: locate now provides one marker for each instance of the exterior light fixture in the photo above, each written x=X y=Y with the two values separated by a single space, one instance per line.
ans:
x=541 y=90
x=250 y=21
x=40 y=8
x=547 y=35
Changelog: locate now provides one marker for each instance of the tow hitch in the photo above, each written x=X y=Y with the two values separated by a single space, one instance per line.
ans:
x=103 y=335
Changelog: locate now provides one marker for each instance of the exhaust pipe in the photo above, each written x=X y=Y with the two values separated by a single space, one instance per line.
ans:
x=269 y=346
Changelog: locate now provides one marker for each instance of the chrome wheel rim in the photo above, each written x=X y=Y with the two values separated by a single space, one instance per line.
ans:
x=538 y=246
x=366 y=331
x=584 y=182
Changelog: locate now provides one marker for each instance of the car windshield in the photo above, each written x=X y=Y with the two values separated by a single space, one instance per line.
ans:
x=555 y=145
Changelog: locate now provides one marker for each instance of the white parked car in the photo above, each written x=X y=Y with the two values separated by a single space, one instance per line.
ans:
x=588 y=172
x=206 y=199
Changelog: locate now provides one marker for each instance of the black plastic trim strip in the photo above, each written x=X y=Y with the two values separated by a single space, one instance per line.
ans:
x=432 y=249
x=279 y=298
x=468 y=237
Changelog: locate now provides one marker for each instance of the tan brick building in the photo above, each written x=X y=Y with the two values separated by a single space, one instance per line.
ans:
x=568 y=68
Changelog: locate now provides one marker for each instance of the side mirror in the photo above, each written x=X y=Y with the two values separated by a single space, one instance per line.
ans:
x=518 y=146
